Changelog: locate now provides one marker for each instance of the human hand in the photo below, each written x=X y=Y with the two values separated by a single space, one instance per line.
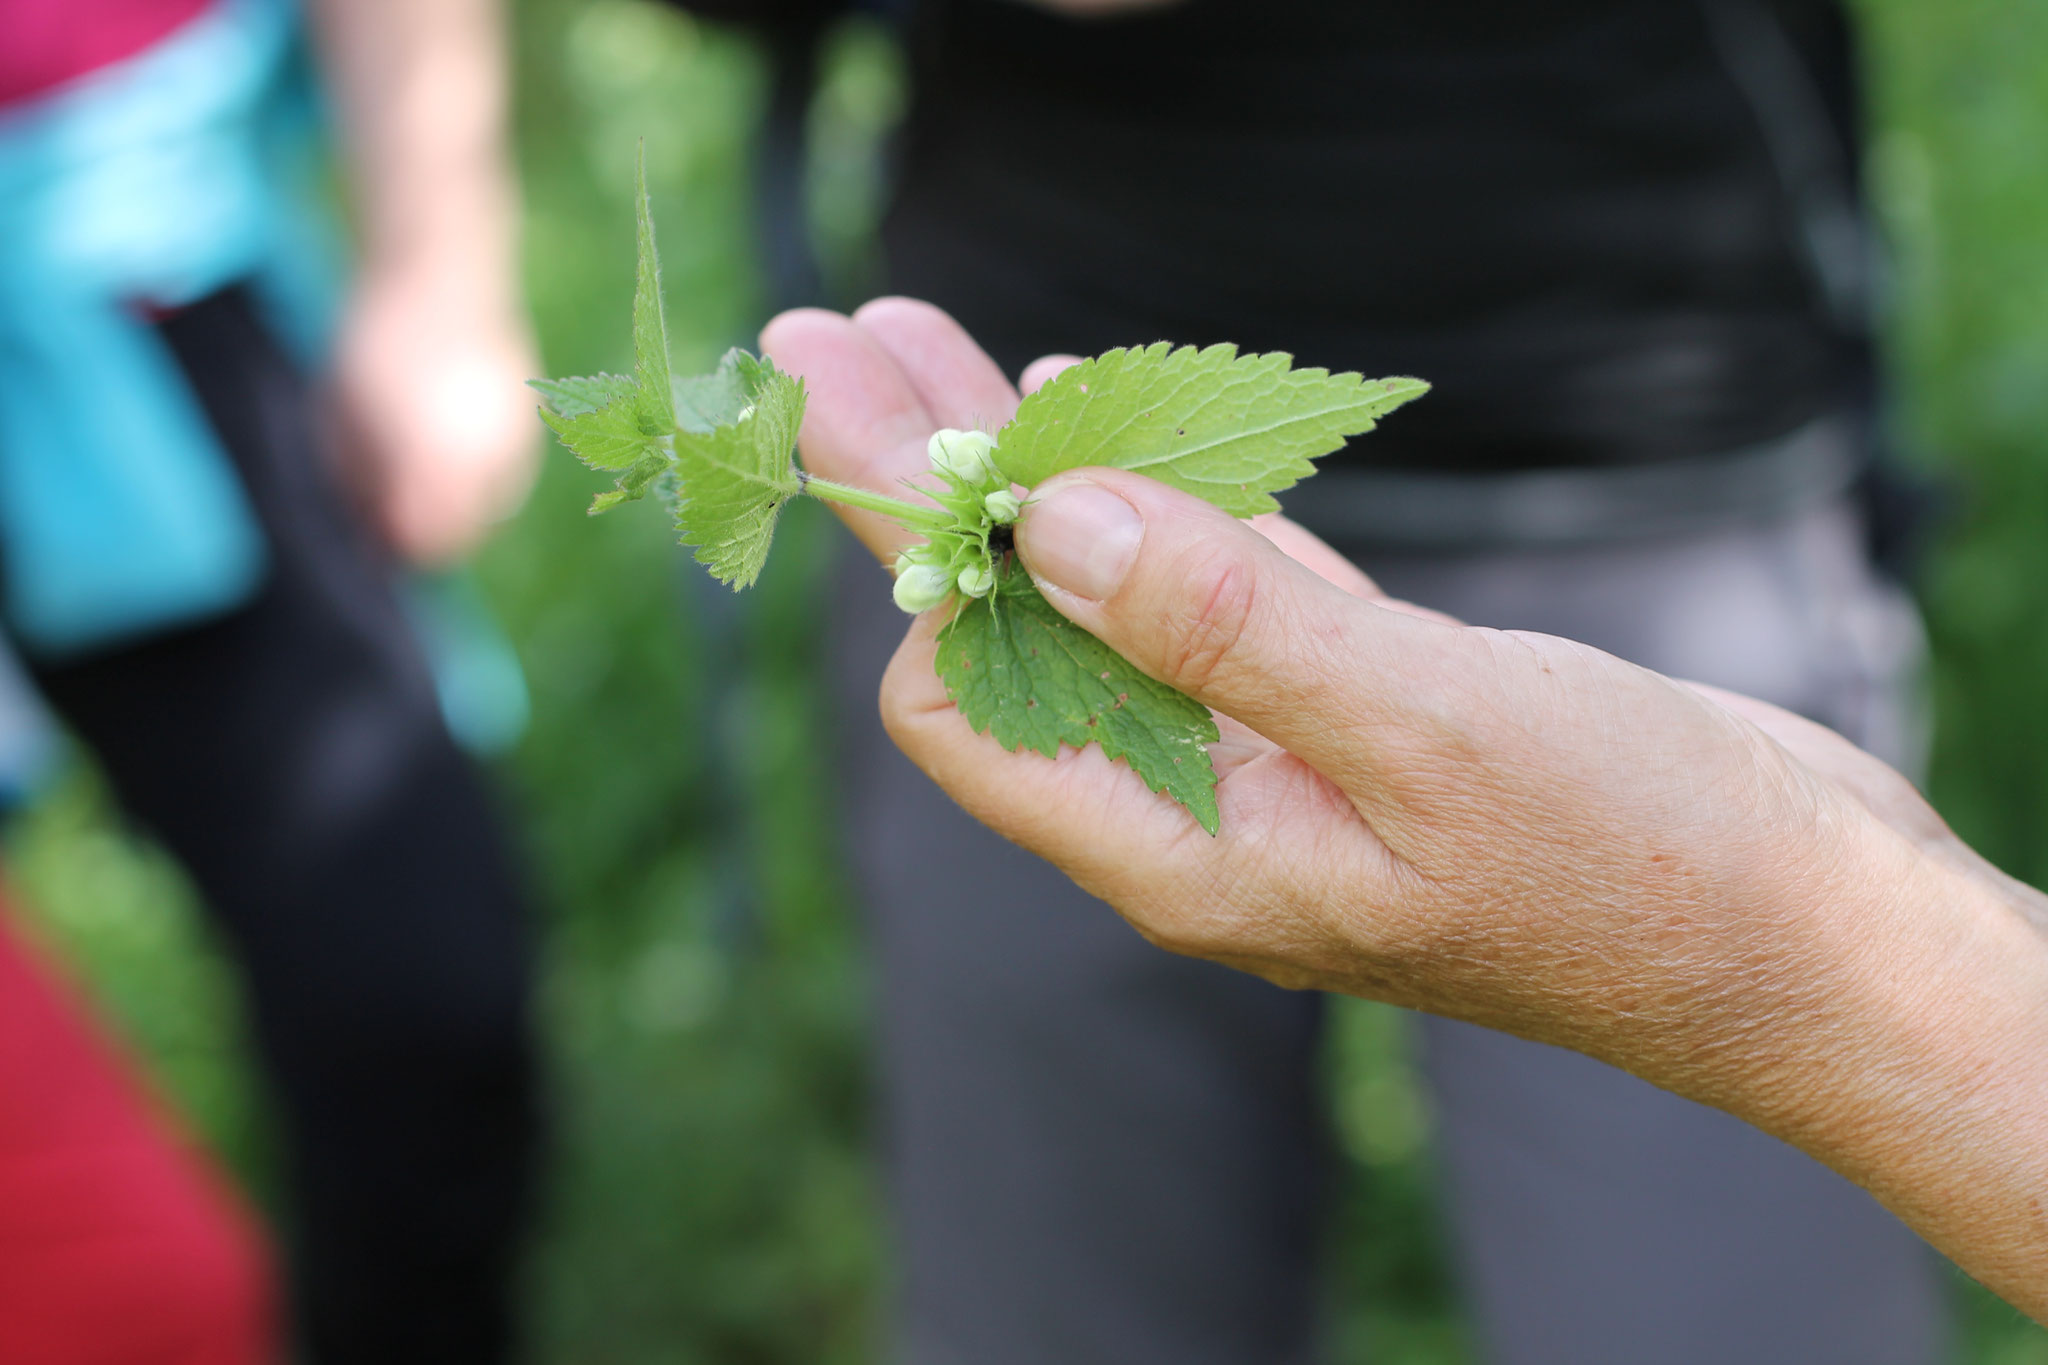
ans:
x=435 y=422
x=1498 y=826
x=1374 y=840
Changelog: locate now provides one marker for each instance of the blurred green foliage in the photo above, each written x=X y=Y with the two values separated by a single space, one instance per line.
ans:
x=1960 y=176
x=712 y=1199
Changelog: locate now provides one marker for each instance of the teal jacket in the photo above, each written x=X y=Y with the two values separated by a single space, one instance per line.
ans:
x=144 y=185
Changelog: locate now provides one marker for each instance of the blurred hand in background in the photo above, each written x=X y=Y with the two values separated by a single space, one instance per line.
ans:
x=436 y=425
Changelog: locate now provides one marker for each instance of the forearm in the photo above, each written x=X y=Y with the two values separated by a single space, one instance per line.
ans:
x=421 y=86
x=1936 y=1094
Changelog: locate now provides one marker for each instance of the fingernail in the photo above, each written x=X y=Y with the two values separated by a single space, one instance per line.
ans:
x=1080 y=537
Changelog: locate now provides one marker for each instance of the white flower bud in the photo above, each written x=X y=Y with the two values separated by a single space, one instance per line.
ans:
x=962 y=455
x=920 y=587
x=1002 y=506
x=976 y=579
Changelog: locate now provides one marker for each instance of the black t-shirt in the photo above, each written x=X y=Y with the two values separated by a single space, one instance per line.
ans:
x=1567 y=214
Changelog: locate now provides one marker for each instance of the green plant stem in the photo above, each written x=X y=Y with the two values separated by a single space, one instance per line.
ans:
x=908 y=515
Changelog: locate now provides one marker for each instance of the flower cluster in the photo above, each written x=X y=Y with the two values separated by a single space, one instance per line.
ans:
x=977 y=496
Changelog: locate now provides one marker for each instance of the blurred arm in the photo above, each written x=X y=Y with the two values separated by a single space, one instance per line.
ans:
x=432 y=357
x=421 y=85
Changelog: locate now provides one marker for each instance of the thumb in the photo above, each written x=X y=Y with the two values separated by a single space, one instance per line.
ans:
x=1204 y=603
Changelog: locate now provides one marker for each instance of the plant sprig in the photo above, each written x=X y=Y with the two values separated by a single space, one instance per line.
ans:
x=720 y=450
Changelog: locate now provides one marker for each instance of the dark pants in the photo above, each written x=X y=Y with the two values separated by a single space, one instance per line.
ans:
x=1100 y=1153
x=293 y=756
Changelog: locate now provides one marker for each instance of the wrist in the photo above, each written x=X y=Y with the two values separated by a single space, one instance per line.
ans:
x=461 y=259
x=464 y=222
x=438 y=300
x=424 y=96
x=1929 y=1083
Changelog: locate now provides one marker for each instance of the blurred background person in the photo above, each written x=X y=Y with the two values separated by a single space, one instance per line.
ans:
x=209 y=603
x=1625 y=241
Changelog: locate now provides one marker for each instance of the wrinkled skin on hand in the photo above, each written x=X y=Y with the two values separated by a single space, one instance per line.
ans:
x=1494 y=825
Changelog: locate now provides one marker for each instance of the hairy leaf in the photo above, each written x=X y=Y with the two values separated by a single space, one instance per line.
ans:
x=734 y=478
x=705 y=402
x=1020 y=671
x=650 y=326
x=575 y=397
x=1232 y=429
x=606 y=438
x=636 y=483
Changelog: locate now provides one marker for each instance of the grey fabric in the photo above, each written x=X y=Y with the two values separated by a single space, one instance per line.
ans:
x=1424 y=510
x=1101 y=1153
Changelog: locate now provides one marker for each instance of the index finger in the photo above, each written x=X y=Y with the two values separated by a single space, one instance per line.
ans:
x=879 y=384
x=864 y=423
x=961 y=387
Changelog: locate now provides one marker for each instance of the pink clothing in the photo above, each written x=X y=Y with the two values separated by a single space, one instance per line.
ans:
x=118 y=1244
x=44 y=43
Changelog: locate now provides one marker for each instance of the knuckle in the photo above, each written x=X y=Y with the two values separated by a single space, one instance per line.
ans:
x=897 y=716
x=1206 y=631
x=1234 y=911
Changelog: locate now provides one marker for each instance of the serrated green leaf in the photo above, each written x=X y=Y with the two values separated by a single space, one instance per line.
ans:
x=1020 y=671
x=704 y=402
x=1228 y=428
x=650 y=327
x=575 y=397
x=636 y=483
x=607 y=438
x=735 y=478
